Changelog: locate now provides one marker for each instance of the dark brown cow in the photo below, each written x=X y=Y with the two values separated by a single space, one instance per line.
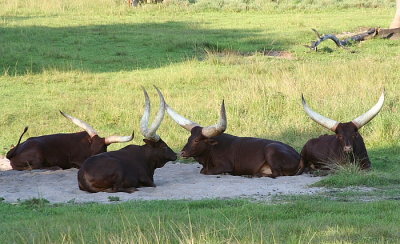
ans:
x=60 y=150
x=223 y=153
x=347 y=145
x=132 y=166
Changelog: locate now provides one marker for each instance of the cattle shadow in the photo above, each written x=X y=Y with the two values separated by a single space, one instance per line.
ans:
x=122 y=47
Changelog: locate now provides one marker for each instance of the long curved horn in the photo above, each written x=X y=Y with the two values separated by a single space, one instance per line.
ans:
x=179 y=119
x=160 y=114
x=370 y=114
x=89 y=129
x=150 y=133
x=217 y=129
x=116 y=139
x=324 y=121
x=144 y=122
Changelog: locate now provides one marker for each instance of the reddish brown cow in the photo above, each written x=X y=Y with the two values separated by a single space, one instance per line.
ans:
x=132 y=166
x=60 y=150
x=223 y=153
x=347 y=145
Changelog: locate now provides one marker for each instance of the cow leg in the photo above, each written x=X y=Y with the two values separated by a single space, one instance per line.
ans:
x=283 y=160
x=216 y=171
x=264 y=171
x=53 y=168
x=27 y=161
x=147 y=182
x=129 y=190
x=275 y=157
x=301 y=167
x=120 y=189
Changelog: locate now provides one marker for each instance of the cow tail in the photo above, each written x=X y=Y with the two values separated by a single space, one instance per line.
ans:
x=301 y=167
x=11 y=153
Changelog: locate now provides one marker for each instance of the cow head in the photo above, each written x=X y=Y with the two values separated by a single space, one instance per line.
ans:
x=97 y=144
x=346 y=133
x=201 y=138
x=197 y=143
x=160 y=151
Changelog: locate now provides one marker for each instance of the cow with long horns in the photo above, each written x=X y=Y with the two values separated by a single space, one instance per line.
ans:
x=60 y=150
x=347 y=145
x=219 y=152
x=132 y=166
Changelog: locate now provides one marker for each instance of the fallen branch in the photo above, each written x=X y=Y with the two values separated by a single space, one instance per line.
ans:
x=342 y=43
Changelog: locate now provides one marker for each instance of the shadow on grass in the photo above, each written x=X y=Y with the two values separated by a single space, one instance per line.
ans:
x=120 y=47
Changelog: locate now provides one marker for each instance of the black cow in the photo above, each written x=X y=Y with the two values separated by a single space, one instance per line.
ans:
x=60 y=150
x=223 y=153
x=132 y=166
x=326 y=151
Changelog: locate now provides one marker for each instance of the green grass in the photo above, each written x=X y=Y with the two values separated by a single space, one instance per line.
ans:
x=89 y=59
x=315 y=220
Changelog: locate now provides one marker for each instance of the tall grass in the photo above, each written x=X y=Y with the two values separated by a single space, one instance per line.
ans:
x=315 y=220
x=121 y=7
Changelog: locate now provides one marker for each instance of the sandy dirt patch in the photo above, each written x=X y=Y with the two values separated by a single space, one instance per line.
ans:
x=174 y=181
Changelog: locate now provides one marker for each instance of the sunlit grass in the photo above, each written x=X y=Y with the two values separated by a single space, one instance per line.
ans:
x=315 y=220
x=90 y=58
x=92 y=66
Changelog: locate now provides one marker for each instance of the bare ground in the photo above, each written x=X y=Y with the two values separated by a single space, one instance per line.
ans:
x=174 y=181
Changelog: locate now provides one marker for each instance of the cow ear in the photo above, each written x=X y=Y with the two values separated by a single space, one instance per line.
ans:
x=211 y=142
x=150 y=142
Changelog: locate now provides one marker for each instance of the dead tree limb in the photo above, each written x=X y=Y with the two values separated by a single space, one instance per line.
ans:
x=342 y=43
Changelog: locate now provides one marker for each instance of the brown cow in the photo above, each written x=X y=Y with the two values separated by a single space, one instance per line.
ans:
x=132 y=166
x=223 y=153
x=60 y=150
x=347 y=145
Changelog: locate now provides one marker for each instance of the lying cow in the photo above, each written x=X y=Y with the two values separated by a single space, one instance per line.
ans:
x=60 y=150
x=347 y=145
x=132 y=166
x=223 y=153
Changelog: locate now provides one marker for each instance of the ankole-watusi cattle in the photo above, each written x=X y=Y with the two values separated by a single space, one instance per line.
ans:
x=132 y=166
x=219 y=152
x=60 y=150
x=346 y=146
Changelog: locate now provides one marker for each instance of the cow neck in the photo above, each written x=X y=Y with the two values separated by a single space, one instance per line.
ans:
x=205 y=158
x=151 y=160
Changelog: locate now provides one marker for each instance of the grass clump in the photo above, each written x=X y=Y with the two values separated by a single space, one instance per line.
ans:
x=35 y=202
x=346 y=174
x=114 y=199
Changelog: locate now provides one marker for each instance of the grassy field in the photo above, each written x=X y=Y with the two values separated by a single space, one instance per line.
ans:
x=317 y=220
x=89 y=59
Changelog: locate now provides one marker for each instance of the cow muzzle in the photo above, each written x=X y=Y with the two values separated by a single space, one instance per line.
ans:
x=183 y=154
x=348 y=149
